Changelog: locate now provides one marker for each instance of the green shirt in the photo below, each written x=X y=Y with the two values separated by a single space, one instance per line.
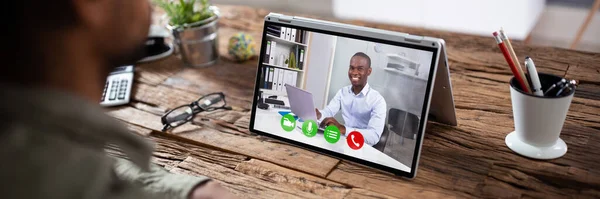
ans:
x=52 y=146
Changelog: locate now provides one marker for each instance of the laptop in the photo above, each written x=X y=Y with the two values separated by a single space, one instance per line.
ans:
x=302 y=105
x=364 y=72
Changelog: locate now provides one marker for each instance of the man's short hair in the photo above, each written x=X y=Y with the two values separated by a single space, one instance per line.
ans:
x=363 y=55
x=51 y=15
x=34 y=18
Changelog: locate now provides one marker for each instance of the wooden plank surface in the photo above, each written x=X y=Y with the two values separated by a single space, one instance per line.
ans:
x=157 y=72
x=283 y=154
x=241 y=143
x=381 y=182
x=466 y=161
x=358 y=193
x=239 y=183
x=231 y=79
x=293 y=179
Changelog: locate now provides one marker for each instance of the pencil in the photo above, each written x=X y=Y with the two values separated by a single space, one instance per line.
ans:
x=510 y=62
x=514 y=57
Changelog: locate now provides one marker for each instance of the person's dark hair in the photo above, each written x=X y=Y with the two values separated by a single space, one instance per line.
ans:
x=34 y=19
x=363 y=55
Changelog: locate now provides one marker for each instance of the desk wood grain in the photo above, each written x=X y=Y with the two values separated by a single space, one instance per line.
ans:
x=466 y=161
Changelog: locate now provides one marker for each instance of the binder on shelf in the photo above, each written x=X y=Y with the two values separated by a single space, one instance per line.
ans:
x=261 y=77
x=270 y=82
x=267 y=79
x=267 y=52
x=284 y=80
x=304 y=37
x=295 y=79
x=276 y=79
x=297 y=54
x=272 y=54
x=286 y=77
x=264 y=77
x=289 y=77
x=288 y=34
x=280 y=81
x=293 y=37
x=282 y=33
x=301 y=37
x=301 y=62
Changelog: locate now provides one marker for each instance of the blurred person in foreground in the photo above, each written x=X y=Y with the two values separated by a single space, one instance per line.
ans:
x=52 y=130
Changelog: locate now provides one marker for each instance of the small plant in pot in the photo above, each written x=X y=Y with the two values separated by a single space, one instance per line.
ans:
x=194 y=26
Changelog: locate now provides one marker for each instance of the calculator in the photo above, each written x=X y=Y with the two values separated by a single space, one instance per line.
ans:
x=117 y=90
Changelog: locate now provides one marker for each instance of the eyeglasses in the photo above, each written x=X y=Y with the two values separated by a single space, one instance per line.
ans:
x=184 y=113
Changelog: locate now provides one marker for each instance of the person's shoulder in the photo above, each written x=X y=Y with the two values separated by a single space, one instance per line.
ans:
x=346 y=88
x=40 y=158
x=375 y=93
x=43 y=147
x=21 y=136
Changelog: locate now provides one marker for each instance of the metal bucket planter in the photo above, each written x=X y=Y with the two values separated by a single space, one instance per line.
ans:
x=198 y=43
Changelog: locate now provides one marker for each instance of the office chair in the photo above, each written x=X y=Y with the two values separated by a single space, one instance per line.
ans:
x=382 y=140
x=403 y=123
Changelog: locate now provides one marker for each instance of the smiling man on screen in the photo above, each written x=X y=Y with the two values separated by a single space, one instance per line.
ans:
x=363 y=108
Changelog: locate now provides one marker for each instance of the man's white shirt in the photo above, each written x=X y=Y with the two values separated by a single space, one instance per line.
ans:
x=363 y=112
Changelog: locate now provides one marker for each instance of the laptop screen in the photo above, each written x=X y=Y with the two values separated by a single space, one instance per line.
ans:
x=361 y=98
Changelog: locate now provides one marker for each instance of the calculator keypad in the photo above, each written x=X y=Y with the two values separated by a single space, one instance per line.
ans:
x=122 y=89
x=104 y=92
x=113 y=90
x=117 y=89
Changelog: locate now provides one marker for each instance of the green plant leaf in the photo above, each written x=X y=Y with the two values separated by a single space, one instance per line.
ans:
x=196 y=17
x=182 y=12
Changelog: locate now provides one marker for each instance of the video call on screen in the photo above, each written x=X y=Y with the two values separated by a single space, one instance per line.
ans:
x=370 y=94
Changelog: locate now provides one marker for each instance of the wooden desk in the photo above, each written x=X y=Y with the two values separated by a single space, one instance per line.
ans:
x=470 y=160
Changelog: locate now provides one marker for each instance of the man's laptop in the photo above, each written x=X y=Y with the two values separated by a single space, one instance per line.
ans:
x=302 y=105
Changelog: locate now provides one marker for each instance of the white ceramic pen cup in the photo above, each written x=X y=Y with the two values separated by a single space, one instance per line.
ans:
x=538 y=120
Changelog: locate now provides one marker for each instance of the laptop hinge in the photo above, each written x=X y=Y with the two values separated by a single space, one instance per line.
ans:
x=413 y=38
x=286 y=19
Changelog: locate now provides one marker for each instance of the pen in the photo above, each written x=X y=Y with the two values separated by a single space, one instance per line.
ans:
x=514 y=57
x=513 y=68
x=536 y=86
x=570 y=85
x=560 y=83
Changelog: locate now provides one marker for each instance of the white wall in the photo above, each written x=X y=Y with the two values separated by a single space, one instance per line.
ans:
x=319 y=58
x=421 y=57
x=313 y=7
x=480 y=17
x=406 y=91
x=556 y=24
x=559 y=25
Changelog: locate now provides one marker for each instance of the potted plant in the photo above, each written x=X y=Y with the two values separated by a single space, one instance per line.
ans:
x=194 y=26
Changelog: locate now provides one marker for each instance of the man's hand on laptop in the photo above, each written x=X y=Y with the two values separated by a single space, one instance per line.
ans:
x=318 y=114
x=331 y=121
